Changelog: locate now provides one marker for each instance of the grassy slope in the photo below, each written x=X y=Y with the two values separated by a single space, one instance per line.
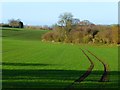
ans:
x=26 y=59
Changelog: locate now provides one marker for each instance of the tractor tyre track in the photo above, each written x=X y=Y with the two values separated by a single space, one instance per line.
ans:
x=88 y=71
x=85 y=75
x=104 y=77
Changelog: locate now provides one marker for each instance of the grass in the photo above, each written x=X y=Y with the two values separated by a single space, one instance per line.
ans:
x=30 y=63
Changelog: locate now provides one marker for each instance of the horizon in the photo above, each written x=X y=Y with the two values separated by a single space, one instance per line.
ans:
x=39 y=14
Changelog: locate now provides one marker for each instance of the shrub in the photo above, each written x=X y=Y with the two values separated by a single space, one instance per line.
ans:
x=77 y=37
x=87 y=38
x=48 y=36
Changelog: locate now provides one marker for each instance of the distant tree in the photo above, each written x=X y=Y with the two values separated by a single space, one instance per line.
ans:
x=67 y=23
x=65 y=19
x=75 y=21
x=86 y=22
x=21 y=24
x=16 y=23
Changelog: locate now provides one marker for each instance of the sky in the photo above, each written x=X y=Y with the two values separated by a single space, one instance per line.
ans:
x=47 y=13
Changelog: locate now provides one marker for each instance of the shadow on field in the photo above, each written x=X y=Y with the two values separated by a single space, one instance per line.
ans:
x=55 y=79
x=26 y=64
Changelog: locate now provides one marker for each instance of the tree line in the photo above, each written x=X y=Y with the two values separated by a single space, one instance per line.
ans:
x=13 y=24
x=17 y=23
x=71 y=30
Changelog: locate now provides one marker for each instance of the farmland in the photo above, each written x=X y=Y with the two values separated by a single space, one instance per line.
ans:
x=28 y=62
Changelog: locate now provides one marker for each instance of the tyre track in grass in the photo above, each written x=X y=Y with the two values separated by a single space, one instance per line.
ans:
x=88 y=71
x=104 y=77
x=85 y=75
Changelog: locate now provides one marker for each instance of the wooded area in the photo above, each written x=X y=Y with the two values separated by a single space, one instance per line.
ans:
x=72 y=30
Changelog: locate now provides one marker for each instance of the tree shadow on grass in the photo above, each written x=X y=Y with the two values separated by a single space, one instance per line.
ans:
x=53 y=79
x=47 y=79
x=27 y=64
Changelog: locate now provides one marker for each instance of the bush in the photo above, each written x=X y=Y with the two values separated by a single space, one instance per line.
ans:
x=87 y=39
x=48 y=36
x=77 y=37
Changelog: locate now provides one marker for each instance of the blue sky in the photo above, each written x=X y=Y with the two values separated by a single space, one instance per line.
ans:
x=46 y=13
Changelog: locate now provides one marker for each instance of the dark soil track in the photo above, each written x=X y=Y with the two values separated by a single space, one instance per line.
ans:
x=88 y=71
x=85 y=75
x=104 y=77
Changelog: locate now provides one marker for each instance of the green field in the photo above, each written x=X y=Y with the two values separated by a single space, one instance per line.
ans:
x=28 y=62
